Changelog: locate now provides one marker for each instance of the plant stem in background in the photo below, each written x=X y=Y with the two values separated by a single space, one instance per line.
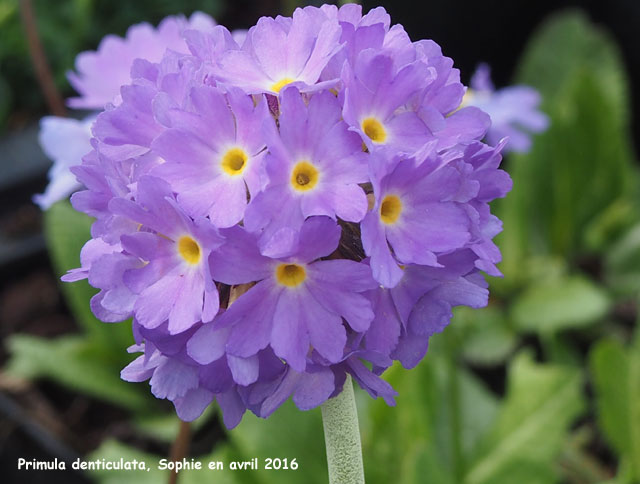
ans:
x=342 y=437
x=39 y=60
x=180 y=448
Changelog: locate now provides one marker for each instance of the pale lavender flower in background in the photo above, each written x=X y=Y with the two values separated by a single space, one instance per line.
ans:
x=514 y=110
x=65 y=141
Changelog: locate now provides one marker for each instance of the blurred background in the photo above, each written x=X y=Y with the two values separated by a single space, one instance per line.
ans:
x=542 y=386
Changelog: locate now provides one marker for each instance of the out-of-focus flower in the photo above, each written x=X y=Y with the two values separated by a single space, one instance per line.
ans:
x=514 y=110
x=65 y=141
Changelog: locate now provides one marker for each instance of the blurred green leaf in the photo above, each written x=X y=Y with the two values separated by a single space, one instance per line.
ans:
x=442 y=411
x=622 y=263
x=486 y=336
x=66 y=232
x=77 y=363
x=583 y=163
x=616 y=374
x=288 y=433
x=541 y=402
x=558 y=304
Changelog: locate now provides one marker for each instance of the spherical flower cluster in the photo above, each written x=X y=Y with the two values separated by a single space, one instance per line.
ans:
x=279 y=211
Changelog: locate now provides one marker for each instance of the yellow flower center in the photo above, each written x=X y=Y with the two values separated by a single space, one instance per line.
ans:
x=304 y=176
x=189 y=249
x=234 y=161
x=277 y=86
x=374 y=130
x=390 y=209
x=290 y=275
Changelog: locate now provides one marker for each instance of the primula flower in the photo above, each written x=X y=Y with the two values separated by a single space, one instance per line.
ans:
x=374 y=97
x=282 y=51
x=313 y=166
x=175 y=282
x=412 y=199
x=514 y=110
x=278 y=215
x=298 y=300
x=211 y=169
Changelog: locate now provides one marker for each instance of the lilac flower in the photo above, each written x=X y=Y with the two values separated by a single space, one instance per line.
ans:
x=374 y=97
x=514 y=110
x=211 y=170
x=175 y=283
x=417 y=215
x=313 y=167
x=408 y=314
x=279 y=52
x=297 y=301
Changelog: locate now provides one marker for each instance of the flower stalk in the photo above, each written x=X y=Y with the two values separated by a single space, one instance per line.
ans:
x=342 y=437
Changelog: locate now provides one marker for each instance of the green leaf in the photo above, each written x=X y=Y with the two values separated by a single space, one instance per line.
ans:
x=622 y=263
x=76 y=363
x=616 y=373
x=486 y=337
x=417 y=440
x=66 y=232
x=583 y=163
x=541 y=402
x=287 y=433
x=558 y=304
x=564 y=47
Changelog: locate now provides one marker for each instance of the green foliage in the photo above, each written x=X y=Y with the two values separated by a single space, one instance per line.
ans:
x=582 y=165
x=77 y=363
x=288 y=433
x=541 y=403
x=622 y=263
x=616 y=375
x=557 y=304
x=91 y=362
x=487 y=334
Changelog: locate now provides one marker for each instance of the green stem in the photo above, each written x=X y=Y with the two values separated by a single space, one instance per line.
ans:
x=342 y=437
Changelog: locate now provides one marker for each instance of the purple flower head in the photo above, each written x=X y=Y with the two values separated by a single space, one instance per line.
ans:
x=282 y=51
x=314 y=164
x=175 y=283
x=283 y=208
x=514 y=110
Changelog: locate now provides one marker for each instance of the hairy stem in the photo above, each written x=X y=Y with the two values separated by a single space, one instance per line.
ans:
x=342 y=438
